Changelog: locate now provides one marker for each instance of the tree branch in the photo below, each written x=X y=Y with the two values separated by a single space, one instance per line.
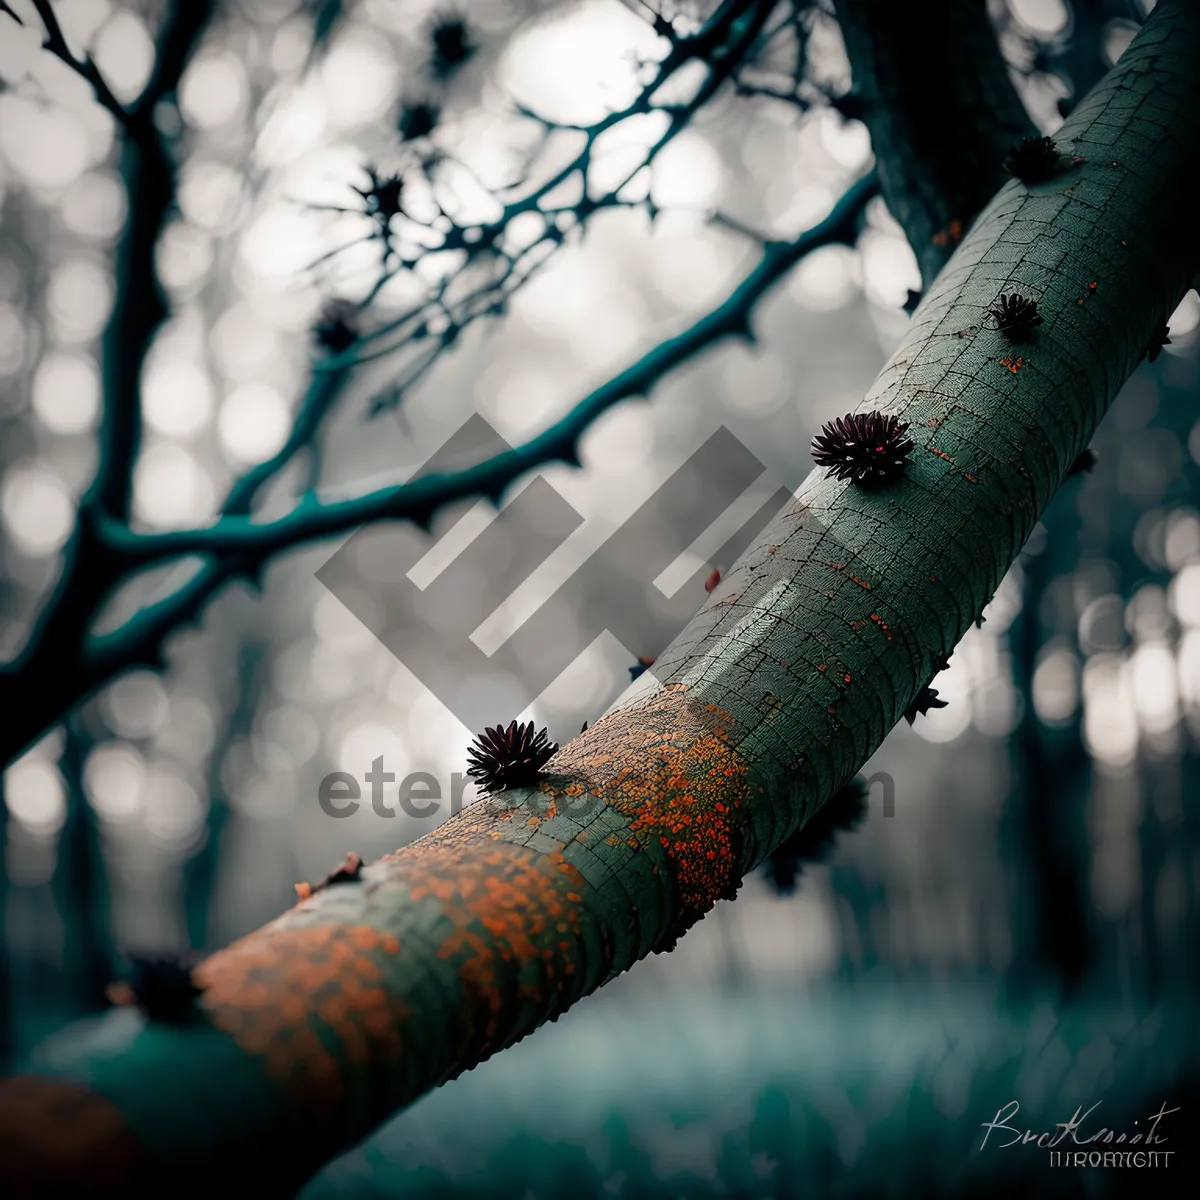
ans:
x=56 y=43
x=363 y=997
x=238 y=546
x=139 y=306
x=419 y=499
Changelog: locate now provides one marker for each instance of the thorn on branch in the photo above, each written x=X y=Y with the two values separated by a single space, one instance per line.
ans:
x=925 y=699
x=1085 y=463
x=163 y=988
x=1161 y=338
x=643 y=664
x=866 y=448
x=1033 y=160
x=1015 y=316
x=502 y=759
x=348 y=872
x=815 y=839
x=911 y=301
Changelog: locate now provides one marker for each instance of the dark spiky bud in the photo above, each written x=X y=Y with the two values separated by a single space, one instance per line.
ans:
x=382 y=200
x=867 y=448
x=941 y=661
x=450 y=43
x=1015 y=316
x=911 y=301
x=1033 y=160
x=813 y=841
x=163 y=988
x=502 y=759
x=336 y=328
x=1084 y=463
x=926 y=699
x=1161 y=338
x=417 y=119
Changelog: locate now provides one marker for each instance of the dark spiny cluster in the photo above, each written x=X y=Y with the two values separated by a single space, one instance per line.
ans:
x=502 y=759
x=864 y=447
x=1033 y=160
x=336 y=327
x=162 y=988
x=449 y=43
x=813 y=841
x=1161 y=338
x=1084 y=463
x=926 y=699
x=417 y=119
x=382 y=199
x=1015 y=316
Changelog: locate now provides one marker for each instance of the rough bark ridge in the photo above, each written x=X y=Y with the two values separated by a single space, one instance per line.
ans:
x=912 y=64
x=368 y=994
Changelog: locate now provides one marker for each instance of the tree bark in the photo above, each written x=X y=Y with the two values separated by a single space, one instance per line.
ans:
x=360 y=999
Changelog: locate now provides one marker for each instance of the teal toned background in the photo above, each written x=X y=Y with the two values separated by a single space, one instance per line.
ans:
x=1023 y=926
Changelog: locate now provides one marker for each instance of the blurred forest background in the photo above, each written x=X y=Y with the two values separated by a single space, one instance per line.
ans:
x=1044 y=844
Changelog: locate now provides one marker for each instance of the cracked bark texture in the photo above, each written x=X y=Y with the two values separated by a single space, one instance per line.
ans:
x=363 y=997
x=908 y=63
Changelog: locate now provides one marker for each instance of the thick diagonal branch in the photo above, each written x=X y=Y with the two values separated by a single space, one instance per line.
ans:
x=370 y=993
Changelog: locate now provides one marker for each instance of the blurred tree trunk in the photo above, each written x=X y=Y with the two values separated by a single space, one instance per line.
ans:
x=370 y=993
x=909 y=63
x=81 y=883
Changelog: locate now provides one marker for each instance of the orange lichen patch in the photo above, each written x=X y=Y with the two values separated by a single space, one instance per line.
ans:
x=835 y=566
x=952 y=233
x=883 y=626
x=59 y=1137
x=667 y=765
x=1015 y=364
x=308 y=1000
x=857 y=625
x=970 y=478
x=862 y=583
x=508 y=907
x=1092 y=286
x=940 y=453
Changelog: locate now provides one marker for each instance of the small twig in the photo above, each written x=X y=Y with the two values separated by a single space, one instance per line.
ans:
x=419 y=499
x=56 y=43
